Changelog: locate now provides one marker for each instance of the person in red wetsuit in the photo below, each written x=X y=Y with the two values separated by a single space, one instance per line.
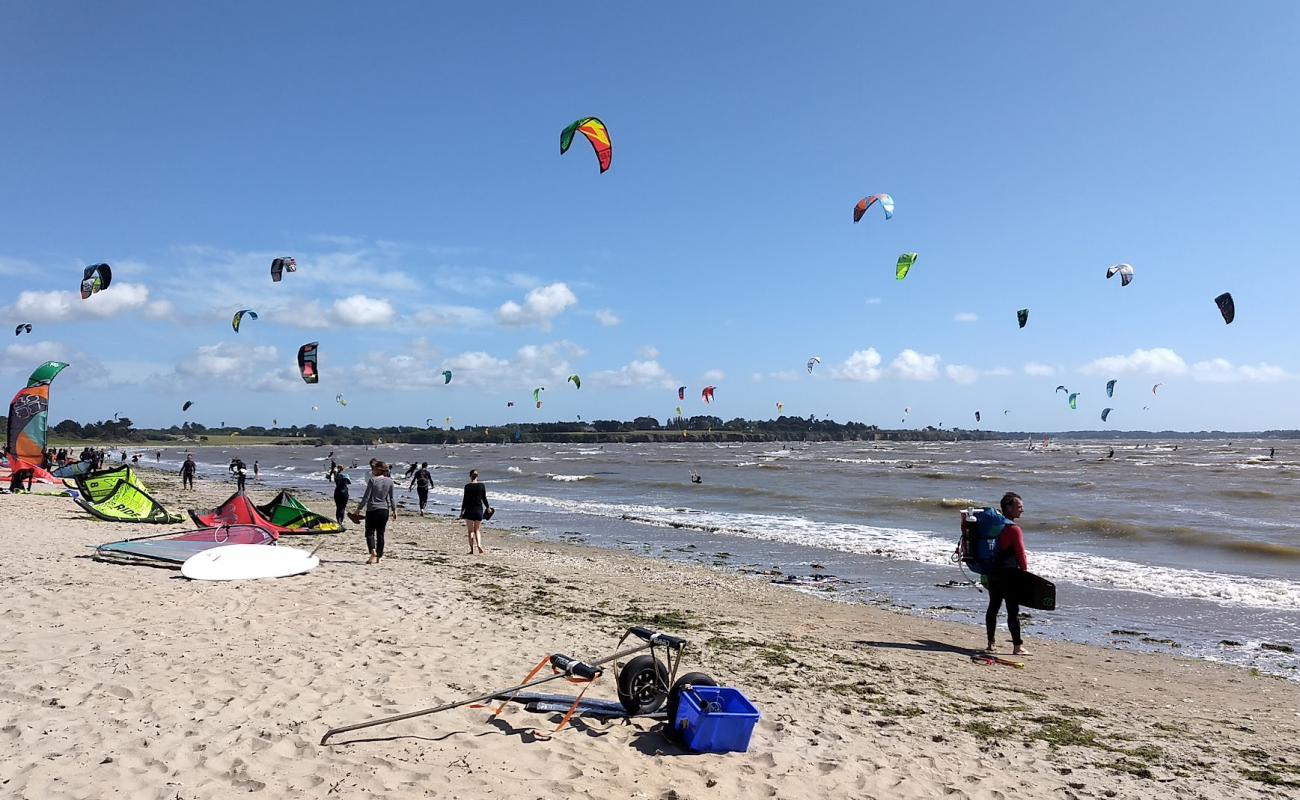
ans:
x=1011 y=558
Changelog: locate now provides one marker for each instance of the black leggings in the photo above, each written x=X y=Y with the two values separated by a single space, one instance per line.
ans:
x=340 y=506
x=376 y=522
x=423 y=493
x=996 y=599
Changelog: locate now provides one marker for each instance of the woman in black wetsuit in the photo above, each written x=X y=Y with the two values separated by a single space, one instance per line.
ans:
x=473 y=509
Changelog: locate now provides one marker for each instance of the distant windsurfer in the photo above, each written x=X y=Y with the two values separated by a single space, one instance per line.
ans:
x=1011 y=557
x=421 y=481
x=187 y=472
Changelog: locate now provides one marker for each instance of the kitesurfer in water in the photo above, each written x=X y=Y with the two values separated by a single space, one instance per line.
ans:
x=341 y=492
x=696 y=477
x=1011 y=557
x=256 y=472
x=474 y=509
x=377 y=505
x=421 y=481
x=1271 y=450
x=187 y=472
x=1111 y=454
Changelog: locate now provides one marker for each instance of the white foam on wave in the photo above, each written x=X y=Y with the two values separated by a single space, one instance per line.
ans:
x=568 y=478
x=928 y=547
x=515 y=470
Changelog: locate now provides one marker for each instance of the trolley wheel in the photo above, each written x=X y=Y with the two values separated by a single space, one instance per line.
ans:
x=675 y=700
x=642 y=685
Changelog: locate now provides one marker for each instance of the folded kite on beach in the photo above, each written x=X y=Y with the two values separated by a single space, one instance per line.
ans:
x=118 y=495
x=239 y=510
x=286 y=512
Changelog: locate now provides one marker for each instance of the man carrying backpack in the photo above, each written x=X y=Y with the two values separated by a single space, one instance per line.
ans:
x=999 y=552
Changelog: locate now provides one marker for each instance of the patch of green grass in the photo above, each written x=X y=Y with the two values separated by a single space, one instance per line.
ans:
x=1065 y=732
x=1129 y=767
x=1268 y=777
x=987 y=730
x=1074 y=711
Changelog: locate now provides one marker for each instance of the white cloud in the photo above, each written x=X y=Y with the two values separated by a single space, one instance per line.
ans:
x=1039 y=370
x=359 y=310
x=637 y=373
x=531 y=365
x=960 y=373
x=225 y=360
x=160 y=309
x=56 y=306
x=607 y=318
x=862 y=365
x=1156 y=361
x=649 y=352
x=451 y=317
x=966 y=316
x=874 y=301
x=25 y=355
x=540 y=306
x=913 y=366
x=1220 y=370
x=714 y=376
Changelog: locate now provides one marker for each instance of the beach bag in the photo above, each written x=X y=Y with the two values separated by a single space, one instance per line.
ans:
x=979 y=540
x=488 y=511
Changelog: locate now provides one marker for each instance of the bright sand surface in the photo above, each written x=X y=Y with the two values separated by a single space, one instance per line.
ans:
x=128 y=681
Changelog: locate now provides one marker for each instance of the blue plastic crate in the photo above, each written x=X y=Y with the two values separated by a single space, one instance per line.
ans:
x=724 y=730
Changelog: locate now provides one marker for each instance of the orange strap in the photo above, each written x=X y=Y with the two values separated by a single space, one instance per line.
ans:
x=545 y=660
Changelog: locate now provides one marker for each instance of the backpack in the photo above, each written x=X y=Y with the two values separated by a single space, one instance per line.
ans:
x=978 y=548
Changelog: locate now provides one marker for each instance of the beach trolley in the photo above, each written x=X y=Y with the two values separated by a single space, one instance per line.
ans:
x=645 y=683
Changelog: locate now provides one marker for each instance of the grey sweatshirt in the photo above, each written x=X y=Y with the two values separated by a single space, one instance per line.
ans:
x=379 y=494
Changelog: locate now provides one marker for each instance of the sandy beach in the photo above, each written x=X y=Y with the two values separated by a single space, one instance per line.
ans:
x=127 y=681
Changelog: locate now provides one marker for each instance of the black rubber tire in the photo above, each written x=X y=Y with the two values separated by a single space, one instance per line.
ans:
x=675 y=700
x=642 y=685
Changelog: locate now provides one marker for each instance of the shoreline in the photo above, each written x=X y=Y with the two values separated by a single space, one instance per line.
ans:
x=133 y=677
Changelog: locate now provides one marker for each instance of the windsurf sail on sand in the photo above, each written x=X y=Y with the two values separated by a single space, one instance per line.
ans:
x=176 y=549
x=118 y=495
x=286 y=512
x=239 y=510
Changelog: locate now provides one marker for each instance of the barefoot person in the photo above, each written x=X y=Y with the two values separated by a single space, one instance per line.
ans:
x=187 y=472
x=474 y=509
x=377 y=504
x=1010 y=558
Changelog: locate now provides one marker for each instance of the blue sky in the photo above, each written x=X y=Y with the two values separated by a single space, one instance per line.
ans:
x=407 y=156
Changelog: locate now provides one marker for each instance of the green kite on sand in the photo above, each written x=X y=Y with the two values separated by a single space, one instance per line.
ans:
x=118 y=495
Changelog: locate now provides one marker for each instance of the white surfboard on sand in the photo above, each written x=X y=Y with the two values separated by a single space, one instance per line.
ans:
x=237 y=562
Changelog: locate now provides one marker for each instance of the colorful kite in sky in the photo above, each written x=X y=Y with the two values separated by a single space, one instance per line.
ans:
x=280 y=266
x=707 y=394
x=596 y=133
x=905 y=262
x=239 y=316
x=307 y=362
x=1022 y=316
x=1124 y=271
x=886 y=203
x=95 y=278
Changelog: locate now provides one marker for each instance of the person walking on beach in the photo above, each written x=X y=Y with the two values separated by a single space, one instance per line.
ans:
x=256 y=472
x=1010 y=559
x=474 y=509
x=377 y=505
x=240 y=477
x=187 y=472
x=421 y=481
x=341 y=491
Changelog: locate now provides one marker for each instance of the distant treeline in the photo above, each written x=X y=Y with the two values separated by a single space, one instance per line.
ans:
x=641 y=429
